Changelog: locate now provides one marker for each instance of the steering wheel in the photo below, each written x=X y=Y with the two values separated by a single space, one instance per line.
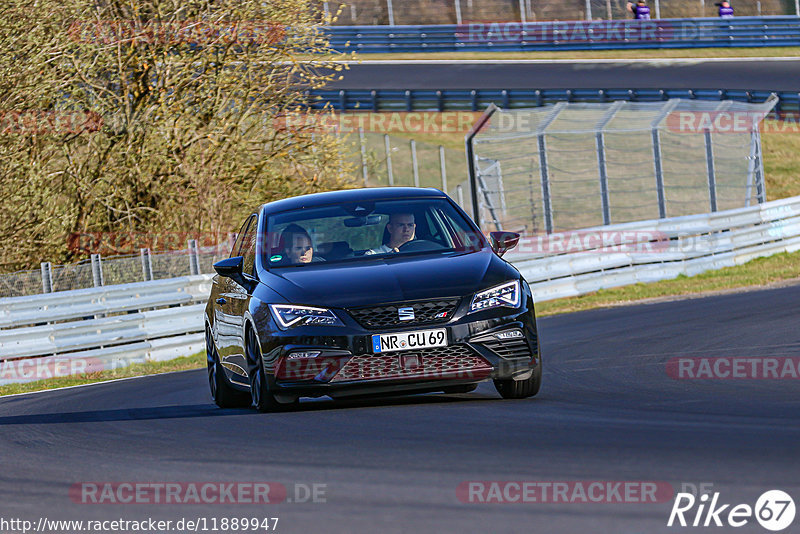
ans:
x=419 y=245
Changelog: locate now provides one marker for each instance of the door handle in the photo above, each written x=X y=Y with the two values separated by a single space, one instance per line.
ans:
x=221 y=301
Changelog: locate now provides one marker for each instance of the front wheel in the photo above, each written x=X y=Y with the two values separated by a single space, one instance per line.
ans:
x=262 y=399
x=521 y=389
x=222 y=392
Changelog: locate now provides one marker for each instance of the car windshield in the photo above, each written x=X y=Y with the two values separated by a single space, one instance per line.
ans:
x=360 y=231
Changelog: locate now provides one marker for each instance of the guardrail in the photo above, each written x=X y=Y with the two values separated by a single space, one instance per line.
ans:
x=479 y=99
x=101 y=328
x=569 y=35
x=647 y=251
x=107 y=327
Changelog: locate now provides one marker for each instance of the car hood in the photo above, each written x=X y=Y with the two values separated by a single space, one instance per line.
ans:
x=390 y=279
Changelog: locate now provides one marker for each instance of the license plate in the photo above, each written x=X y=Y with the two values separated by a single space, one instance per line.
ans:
x=421 y=339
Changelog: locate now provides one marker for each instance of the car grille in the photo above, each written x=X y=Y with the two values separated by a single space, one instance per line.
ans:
x=425 y=312
x=456 y=361
x=509 y=348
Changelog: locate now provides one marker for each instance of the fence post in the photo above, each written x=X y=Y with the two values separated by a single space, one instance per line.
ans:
x=588 y=10
x=545 y=178
x=548 y=207
x=522 y=11
x=443 y=168
x=658 y=9
x=458 y=11
x=391 y=12
x=47 y=277
x=194 y=261
x=797 y=7
x=760 y=185
x=363 y=154
x=662 y=200
x=147 y=264
x=601 y=165
x=657 y=161
x=712 y=185
x=414 y=167
x=601 y=158
x=388 y=149
x=460 y=195
x=97 y=270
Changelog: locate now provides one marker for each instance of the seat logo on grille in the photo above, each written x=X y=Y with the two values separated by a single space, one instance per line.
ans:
x=406 y=314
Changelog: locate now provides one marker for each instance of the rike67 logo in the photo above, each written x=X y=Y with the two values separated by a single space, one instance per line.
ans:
x=774 y=510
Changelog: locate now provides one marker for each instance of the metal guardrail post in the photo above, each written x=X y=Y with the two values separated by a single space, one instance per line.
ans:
x=414 y=166
x=97 y=270
x=388 y=149
x=47 y=277
x=194 y=261
x=443 y=168
x=147 y=264
x=363 y=154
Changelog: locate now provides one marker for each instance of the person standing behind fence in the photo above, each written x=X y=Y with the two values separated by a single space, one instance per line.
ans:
x=640 y=10
x=725 y=10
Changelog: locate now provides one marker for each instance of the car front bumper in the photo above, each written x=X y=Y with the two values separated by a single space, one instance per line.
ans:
x=495 y=344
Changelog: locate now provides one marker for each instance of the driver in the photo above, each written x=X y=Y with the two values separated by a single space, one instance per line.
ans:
x=401 y=229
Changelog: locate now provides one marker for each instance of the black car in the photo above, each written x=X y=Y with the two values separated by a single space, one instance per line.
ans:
x=367 y=292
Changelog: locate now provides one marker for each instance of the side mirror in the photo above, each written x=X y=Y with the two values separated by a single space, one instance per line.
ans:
x=232 y=268
x=502 y=242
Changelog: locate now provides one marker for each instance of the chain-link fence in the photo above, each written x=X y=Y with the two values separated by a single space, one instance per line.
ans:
x=385 y=160
x=570 y=166
x=99 y=271
x=399 y=12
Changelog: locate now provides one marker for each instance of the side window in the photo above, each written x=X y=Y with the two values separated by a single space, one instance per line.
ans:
x=237 y=245
x=248 y=249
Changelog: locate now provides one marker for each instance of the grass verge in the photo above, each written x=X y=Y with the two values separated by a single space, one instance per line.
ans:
x=687 y=53
x=185 y=363
x=753 y=274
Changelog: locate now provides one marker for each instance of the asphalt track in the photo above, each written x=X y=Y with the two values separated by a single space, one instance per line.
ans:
x=745 y=74
x=607 y=411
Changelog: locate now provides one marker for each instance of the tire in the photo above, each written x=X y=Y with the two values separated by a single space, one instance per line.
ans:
x=461 y=389
x=521 y=389
x=222 y=392
x=261 y=397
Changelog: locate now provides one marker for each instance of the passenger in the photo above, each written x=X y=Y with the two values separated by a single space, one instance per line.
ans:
x=400 y=229
x=640 y=11
x=296 y=245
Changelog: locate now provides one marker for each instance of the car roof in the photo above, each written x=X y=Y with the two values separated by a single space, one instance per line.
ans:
x=350 y=195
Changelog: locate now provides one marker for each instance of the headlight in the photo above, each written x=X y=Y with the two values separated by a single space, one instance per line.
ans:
x=503 y=295
x=289 y=316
